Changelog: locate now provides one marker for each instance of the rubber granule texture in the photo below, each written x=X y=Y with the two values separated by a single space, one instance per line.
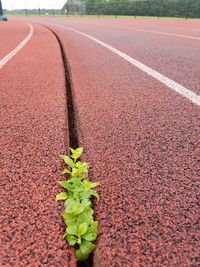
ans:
x=33 y=135
x=142 y=141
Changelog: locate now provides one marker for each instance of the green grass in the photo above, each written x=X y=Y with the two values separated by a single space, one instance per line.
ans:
x=101 y=16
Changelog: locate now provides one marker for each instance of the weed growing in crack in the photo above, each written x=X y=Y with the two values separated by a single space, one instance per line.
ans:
x=81 y=229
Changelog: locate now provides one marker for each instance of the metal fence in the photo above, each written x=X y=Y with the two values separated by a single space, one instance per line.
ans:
x=155 y=8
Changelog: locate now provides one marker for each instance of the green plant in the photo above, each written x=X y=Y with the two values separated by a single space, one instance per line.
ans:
x=81 y=229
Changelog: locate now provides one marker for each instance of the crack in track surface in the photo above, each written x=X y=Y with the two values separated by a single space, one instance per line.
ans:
x=72 y=125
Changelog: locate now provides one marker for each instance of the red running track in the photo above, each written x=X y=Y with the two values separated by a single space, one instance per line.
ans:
x=141 y=138
x=33 y=134
x=11 y=35
x=174 y=56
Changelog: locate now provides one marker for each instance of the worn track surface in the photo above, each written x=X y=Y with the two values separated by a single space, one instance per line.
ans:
x=33 y=134
x=141 y=138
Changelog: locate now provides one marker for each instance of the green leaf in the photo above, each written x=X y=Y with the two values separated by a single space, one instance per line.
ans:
x=92 y=232
x=66 y=185
x=93 y=185
x=90 y=236
x=85 y=216
x=77 y=210
x=86 y=247
x=82 y=166
x=76 y=181
x=69 y=218
x=76 y=153
x=71 y=240
x=86 y=203
x=75 y=206
x=89 y=185
x=82 y=229
x=69 y=204
x=66 y=171
x=95 y=194
x=77 y=194
x=80 y=256
x=94 y=224
x=65 y=215
x=80 y=170
x=68 y=161
x=78 y=188
x=65 y=235
x=82 y=206
x=61 y=196
x=74 y=173
x=70 y=194
x=72 y=229
x=86 y=194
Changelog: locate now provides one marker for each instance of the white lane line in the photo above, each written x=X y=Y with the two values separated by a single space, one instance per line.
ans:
x=166 y=33
x=145 y=30
x=8 y=57
x=155 y=74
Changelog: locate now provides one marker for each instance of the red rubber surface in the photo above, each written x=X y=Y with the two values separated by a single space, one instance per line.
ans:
x=143 y=143
x=173 y=56
x=33 y=134
x=12 y=34
x=141 y=139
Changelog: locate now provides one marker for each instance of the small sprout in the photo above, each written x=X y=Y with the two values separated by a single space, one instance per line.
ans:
x=81 y=229
x=76 y=153
x=66 y=185
x=72 y=240
x=72 y=229
x=68 y=161
x=61 y=196
x=65 y=171
x=86 y=247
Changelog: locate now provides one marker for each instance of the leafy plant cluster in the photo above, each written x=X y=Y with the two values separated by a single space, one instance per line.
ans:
x=81 y=229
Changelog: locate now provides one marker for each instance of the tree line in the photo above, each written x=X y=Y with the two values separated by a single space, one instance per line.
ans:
x=165 y=8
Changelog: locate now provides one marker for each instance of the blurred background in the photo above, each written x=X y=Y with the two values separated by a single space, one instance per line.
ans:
x=150 y=8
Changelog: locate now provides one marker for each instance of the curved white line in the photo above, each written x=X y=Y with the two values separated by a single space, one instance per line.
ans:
x=166 y=33
x=146 y=30
x=8 y=57
x=153 y=73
